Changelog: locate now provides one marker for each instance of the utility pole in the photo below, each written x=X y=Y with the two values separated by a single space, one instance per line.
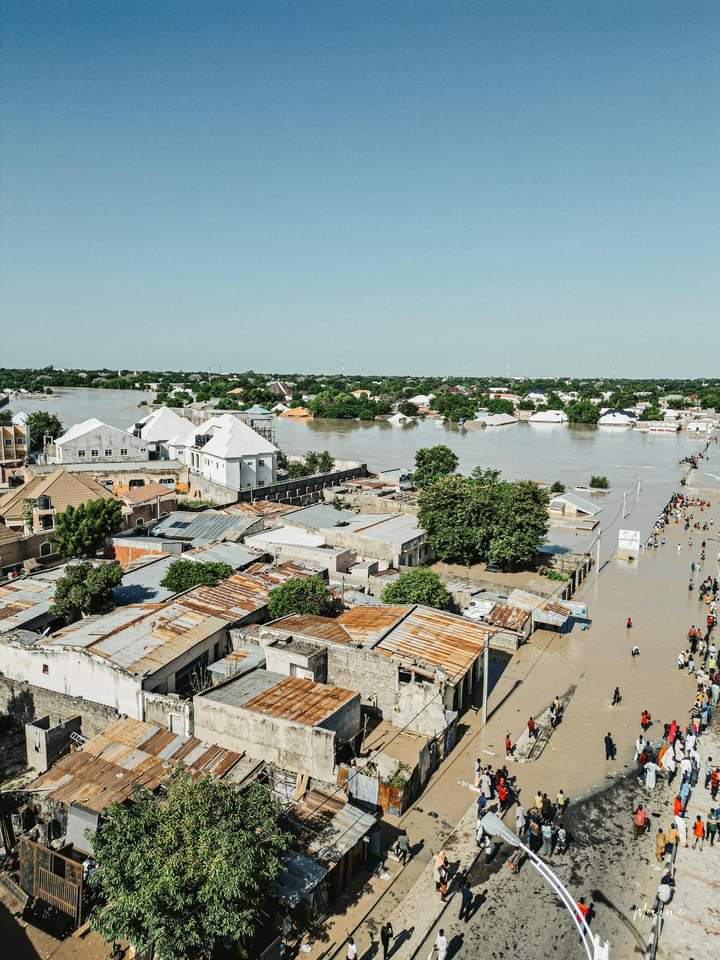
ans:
x=597 y=557
x=624 y=504
x=486 y=671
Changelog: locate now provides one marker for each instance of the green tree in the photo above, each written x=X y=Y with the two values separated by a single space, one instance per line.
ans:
x=301 y=595
x=183 y=872
x=431 y=463
x=81 y=531
x=599 y=483
x=296 y=469
x=455 y=406
x=40 y=425
x=6 y=418
x=418 y=586
x=483 y=517
x=407 y=409
x=520 y=525
x=496 y=405
x=583 y=411
x=651 y=413
x=182 y=575
x=85 y=589
x=557 y=487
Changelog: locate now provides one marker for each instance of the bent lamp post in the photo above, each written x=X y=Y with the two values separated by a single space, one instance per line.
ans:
x=493 y=825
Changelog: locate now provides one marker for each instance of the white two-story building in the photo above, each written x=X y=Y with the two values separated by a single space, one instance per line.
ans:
x=228 y=452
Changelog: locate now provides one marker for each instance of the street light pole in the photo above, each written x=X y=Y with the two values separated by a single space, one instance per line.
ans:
x=594 y=949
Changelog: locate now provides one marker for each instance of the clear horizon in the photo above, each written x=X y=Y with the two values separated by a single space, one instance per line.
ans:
x=382 y=186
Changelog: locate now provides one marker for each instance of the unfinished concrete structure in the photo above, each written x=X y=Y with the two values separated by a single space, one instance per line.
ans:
x=291 y=722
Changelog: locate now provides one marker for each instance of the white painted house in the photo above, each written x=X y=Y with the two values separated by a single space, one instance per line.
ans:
x=227 y=451
x=93 y=441
x=158 y=427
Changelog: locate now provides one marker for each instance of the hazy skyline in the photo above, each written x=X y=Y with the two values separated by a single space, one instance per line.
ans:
x=403 y=187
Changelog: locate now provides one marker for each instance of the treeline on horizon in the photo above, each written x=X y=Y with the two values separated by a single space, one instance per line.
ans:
x=455 y=396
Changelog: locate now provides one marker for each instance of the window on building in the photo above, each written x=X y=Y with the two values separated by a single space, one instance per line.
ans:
x=108 y=453
x=81 y=453
x=261 y=483
x=123 y=452
x=261 y=463
x=168 y=482
x=139 y=522
x=46 y=668
x=93 y=453
x=46 y=549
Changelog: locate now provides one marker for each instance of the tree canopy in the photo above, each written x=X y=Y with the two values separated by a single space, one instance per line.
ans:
x=433 y=462
x=418 y=586
x=301 y=595
x=6 y=418
x=85 y=589
x=484 y=518
x=80 y=531
x=184 y=872
x=42 y=424
x=183 y=574
x=583 y=411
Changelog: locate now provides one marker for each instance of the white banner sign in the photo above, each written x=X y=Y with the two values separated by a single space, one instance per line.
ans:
x=629 y=540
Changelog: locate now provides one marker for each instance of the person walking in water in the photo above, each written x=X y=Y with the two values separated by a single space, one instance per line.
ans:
x=609 y=747
x=616 y=698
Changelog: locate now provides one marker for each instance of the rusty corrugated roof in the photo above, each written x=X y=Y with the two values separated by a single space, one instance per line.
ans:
x=435 y=639
x=324 y=628
x=129 y=753
x=301 y=700
x=508 y=617
x=367 y=624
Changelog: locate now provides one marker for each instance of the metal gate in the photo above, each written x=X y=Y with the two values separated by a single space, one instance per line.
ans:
x=52 y=877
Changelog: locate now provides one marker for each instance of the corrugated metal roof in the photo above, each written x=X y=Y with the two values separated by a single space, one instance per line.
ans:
x=130 y=752
x=366 y=624
x=434 y=639
x=301 y=700
x=329 y=827
x=324 y=628
x=21 y=601
x=208 y=525
x=508 y=617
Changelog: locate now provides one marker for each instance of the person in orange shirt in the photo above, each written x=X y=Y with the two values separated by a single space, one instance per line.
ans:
x=640 y=821
x=677 y=807
x=583 y=910
x=698 y=832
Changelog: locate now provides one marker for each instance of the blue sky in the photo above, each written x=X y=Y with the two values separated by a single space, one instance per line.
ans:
x=432 y=187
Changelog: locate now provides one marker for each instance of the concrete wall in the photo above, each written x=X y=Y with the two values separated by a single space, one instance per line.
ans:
x=169 y=710
x=201 y=488
x=32 y=547
x=281 y=659
x=336 y=563
x=48 y=739
x=26 y=702
x=291 y=746
x=74 y=674
x=420 y=708
x=305 y=488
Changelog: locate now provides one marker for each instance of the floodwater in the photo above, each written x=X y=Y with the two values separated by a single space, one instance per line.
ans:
x=543 y=452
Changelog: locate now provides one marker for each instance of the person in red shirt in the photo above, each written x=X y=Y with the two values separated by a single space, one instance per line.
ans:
x=532 y=729
x=508 y=745
x=640 y=821
x=645 y=720
x=677 y=807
